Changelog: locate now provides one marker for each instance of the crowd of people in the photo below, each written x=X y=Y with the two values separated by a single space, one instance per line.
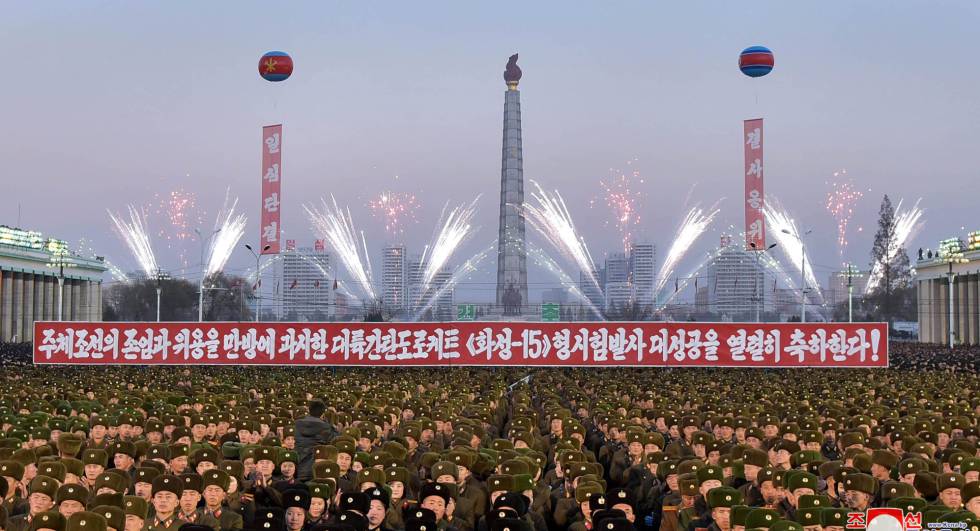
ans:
x=468 y=449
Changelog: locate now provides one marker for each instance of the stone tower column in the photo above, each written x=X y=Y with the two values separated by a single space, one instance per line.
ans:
x=511 y=247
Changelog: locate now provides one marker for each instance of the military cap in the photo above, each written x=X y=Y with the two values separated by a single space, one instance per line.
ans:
x=25 y=456
x=69 y=444
x=723 y=497
x=435 y=489
x=178 y=450
x=397 y=473
x=833 y=517
x=756 y=457
x=950 y=480
x=497 y=483
x=971 y=464
x=447 y=468
x=266 y=453
x=617 y=496
x=52 y=469
x=802 y=480
x=323 y=491
x=909 y=504
x=232 y=468
x=708 y=473
x=73 y=466
x=861 y=482
x=896 y=489
x=851 y=438
x=47 y=520
x=71 y=492
x=192 y=482
x=761 y=518
x=44 y=485
x=296 y=497
x=688 y=484
x=926 y=484
x=809 y=516
x=145 y=475
x=374 y=475
x=739 y=513
x=356 y=501
x=86 y=521
x=204 y=455
x=135 y=506
x=217 y=478
x=168 y=483
x=382 y=494
x=269 y=519
x=583 y=492
x=12 y=469
x=912 y=465
x=969 y=491
x=522 y=482
x=115 y=517
x=326 y=470
x=766 y=474
x=113 y=480
x=813 y=501
x=123 y=447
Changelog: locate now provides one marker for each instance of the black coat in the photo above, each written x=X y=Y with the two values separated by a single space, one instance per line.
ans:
x=310 y=432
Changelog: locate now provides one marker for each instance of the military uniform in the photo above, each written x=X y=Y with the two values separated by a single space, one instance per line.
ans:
x=154 y=523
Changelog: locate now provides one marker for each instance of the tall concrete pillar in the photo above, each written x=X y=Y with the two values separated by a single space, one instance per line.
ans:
x=511 y=246
x=76 y=300
x=943 y=300
x=922 y=310
x=6 y=305
x=98 y=302
x=18 y=307
x=969 y=308
x=50 y=285
x=28 y=327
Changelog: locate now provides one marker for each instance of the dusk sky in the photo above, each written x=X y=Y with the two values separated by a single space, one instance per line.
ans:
x=112 y=103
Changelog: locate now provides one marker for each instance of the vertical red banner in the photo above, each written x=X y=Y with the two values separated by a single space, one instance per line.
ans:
x=271 y=188
x=755 y=219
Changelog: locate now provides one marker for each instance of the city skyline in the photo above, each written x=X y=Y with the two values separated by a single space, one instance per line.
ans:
x=675 y=118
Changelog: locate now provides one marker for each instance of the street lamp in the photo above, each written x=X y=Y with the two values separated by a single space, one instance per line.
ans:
x=850 y=272
x=258 y=301
x=59 y=259
x=952 y=257
x=758 y=269
x=159 y=277
x=803 y=289
x=204 y=272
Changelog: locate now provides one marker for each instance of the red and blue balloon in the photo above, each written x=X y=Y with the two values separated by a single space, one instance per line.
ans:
x=756 y=61
x=275 y=66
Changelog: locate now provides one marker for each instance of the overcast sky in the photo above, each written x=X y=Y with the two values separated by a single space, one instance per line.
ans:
x=109 y=103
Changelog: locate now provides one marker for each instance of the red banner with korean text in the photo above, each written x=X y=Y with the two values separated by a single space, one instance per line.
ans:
x=271 y=189
x=755 y=219
x=599 y=344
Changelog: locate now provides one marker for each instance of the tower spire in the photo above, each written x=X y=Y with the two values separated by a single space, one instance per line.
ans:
x=511 y=248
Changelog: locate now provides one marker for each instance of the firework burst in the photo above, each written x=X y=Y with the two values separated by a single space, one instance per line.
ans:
x=694 y=224
x=549 y=216
x=228 y=230
x=907 y=225
x=176 y=215
x=336 y=225
x=396 y=209
x=622 y=200
x=136 y=236
x=840 y=204
x=455 y=227
x=783 y=228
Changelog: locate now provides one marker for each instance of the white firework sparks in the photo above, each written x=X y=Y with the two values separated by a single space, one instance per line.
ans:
x=229 y=228
x=336 y=225
x=455 y=228
x=550 y=217
x=134 y=233
x=542 y=259
x=784 y=229
x=694 y=224
x=907 y=225
x=467 y=268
